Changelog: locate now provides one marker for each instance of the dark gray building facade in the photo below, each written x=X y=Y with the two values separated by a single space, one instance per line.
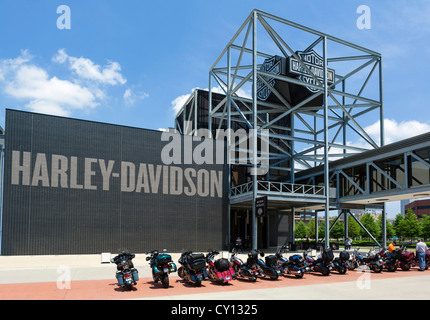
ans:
x=81 y=187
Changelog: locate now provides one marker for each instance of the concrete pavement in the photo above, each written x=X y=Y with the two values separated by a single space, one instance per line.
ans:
x=401 y=288
x=36 y=276
x=28 y=269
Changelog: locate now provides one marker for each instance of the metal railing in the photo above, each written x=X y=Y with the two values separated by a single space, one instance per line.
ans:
x=278 y=187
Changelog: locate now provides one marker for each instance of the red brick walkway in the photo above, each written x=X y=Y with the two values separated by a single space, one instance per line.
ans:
x=145 y=288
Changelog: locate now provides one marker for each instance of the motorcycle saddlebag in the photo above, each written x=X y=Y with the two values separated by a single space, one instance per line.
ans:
x=222 y=265
x=197 y=261
x=428 y=255
x=344 y=256
x=135 y=275
x=120 y=278
x=327 y=255
x=163 y=259
x=197 y=265
x=156 y=270
x=271 y=260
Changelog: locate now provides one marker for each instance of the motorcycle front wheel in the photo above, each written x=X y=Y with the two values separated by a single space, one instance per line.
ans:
x=274 y=275
x=342 y=270
x=391 y=267
x=322 y=269
x=405 y=267
x=210 y=274
x=353 y=265
x=181 y=272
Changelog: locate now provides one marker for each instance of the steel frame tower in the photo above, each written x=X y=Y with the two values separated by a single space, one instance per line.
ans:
x=316 y=132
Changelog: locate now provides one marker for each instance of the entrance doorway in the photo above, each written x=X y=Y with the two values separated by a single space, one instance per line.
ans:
x=241 y=225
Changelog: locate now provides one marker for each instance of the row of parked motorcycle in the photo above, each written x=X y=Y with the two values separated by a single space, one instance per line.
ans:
x=380 y=259
x=197 y=267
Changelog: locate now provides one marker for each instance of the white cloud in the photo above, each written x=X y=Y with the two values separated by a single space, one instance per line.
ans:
x=130 y=97
x=127 y=96
x=86 y=69
x=27 y=82
x=8 y=65
x=179 y=102
x=47 y=107
x=393 y=131
x=396 y=131
x=31 y=85
x=32 y=82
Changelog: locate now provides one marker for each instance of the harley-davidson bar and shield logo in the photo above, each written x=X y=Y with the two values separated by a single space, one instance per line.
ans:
x=315 y=64
x=293 y=68
x=271 y=65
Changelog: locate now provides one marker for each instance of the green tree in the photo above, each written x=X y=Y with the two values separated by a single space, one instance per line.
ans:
x=354 y=228
x=338 y=230
x=301 y=230
x=396 y=225
x=321 y=229
x=425 y=227
x=410 y=226
x=370 y=224
x=389 y=228
x=311 y=228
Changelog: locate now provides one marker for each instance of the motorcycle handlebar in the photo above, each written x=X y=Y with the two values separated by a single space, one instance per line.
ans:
x=211 y=254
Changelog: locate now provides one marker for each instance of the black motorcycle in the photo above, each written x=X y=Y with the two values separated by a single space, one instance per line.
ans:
x=340 y=263
x=268 y=268
x=271 y=264
x=126 y=274
x=355 y=261
x=391 y=259
x=193 y=267
x=161 y=266
x=323 y=262
x=294 y=265
x=374 y=261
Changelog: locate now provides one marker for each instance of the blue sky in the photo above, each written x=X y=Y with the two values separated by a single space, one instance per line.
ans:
x=128 y=62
